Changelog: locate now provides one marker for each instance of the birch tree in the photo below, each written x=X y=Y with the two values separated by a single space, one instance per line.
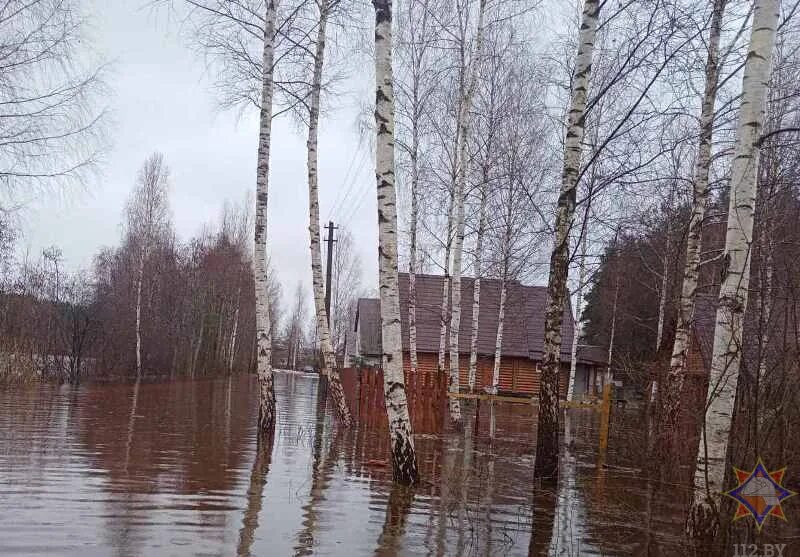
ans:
x=703 y=522
x=700 y=193
x=53 y=130
x=546 y=466
x=266 y=406
x=476 y=288
x=416 y=41
x=148 y=220
x=463 y=164
x=329 y=369
x=404 y=460
x=573 y=361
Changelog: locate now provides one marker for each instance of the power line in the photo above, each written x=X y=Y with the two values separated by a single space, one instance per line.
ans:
x=353 y=181
x=338 y=200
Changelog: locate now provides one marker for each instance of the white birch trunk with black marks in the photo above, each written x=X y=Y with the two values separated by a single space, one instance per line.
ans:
x=573 y=362
x=446 y=288
x=476 y=292
x=546 y=466
x=329 y=369
x=691 y=268
x=458 y=246
x=266 y=407
x=412 y=259
x=404 y=461
x=703 y=522
x=139 y=279
x=498 y=344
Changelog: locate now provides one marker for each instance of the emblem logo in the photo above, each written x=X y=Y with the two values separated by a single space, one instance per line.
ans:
x=759 y=493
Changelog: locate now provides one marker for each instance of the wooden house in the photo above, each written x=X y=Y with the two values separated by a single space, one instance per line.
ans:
x=523 y=333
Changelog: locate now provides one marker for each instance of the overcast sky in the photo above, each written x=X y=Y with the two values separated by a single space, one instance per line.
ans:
x=162 y=101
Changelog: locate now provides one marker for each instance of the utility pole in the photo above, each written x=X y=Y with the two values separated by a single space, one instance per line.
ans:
x=329 y=270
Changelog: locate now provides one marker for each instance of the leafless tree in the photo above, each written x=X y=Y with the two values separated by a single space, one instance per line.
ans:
x=148 y=222
x=53 y=130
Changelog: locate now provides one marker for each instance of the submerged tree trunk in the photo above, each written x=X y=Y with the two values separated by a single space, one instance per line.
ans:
x=703 y=521
x=476 y=291
x=683 y=331
x=573 y=362
x=266 y=408
x=546 y=467
x=404 y=460
x=458 y=247
x=329 y=369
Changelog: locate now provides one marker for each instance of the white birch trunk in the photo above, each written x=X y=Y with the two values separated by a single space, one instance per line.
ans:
x=498 y=344
x=703 y=522
x=546 y=467
x=412 y=264
x=404 y=461
x=446 y=288
x=573 y=362
x=476 y=292
x=662 y=298
x=266 y=410
x=458 y=247
x=329 y=369
x=232 y=348
x=765 y=301
x=139 y=278
x=683 y=330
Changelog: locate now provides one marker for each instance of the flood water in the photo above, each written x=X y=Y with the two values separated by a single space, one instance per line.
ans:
x=173 y=468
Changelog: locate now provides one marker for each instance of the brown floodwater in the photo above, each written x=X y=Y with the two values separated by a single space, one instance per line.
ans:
x=173 y=468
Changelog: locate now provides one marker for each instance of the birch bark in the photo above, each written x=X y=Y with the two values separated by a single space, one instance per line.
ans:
x=680 y=347
x=232 y=348
x=573 y=363
x=662 y=295
x=266 y=408
x=461 y=184
x=446 y=288
x=404 y=461
x=419 y=49
x=329 y=369
x=139 y=278
x=498 y=344
x=476 y=290
x=546 y=466
x=703 y=521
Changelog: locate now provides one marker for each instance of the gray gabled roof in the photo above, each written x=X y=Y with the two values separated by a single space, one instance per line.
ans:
x=523 y=328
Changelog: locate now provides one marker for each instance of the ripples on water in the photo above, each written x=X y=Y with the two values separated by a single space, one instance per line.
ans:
x=173 y=468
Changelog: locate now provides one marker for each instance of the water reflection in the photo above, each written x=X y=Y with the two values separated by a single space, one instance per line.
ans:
x=175 y=468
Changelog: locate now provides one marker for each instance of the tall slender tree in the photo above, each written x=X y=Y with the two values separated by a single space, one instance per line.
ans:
x=266 y=407
x=404 y=460
x=573 y=363
x=329 y=369
x=700 y=192
x=476 y=285
x=546 y=467
x=703 y=521
x=465 y=106
x=148 y=216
